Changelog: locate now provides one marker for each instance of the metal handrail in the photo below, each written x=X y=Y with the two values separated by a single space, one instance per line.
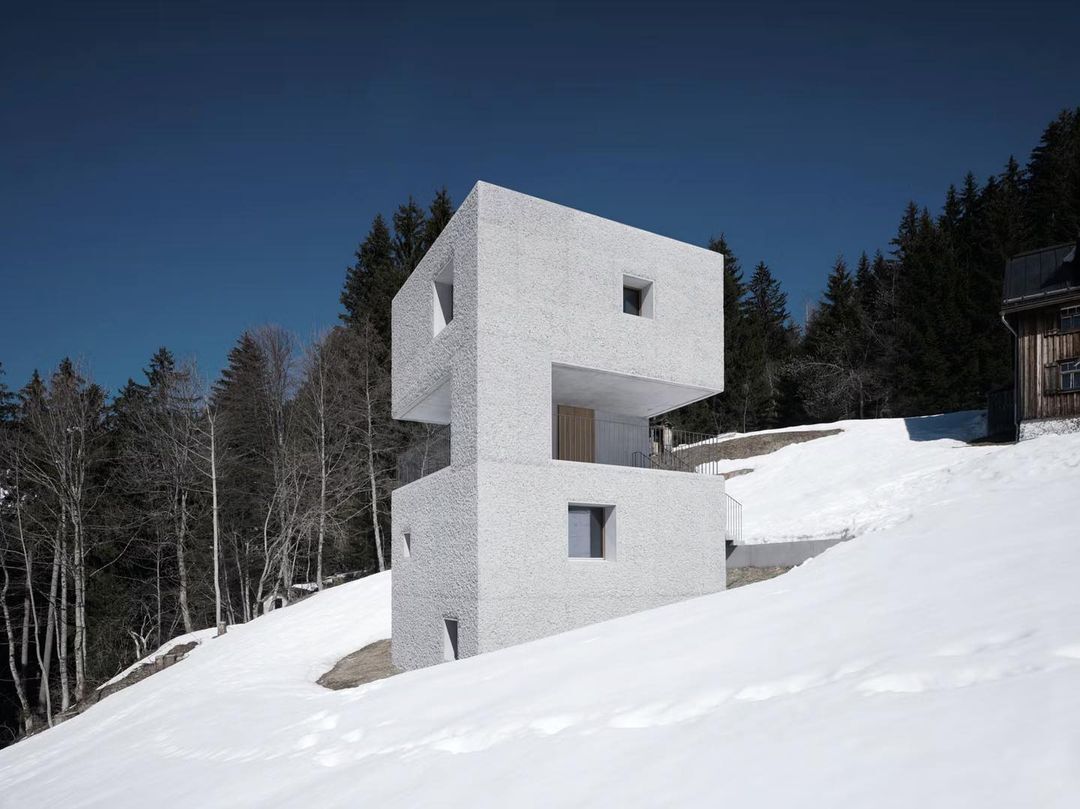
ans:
x=732 y=519
x=634 y=443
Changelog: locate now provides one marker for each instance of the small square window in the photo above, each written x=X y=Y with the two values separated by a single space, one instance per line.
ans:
x=1070 y=318
x=590 y=532
x=450 y=639
x=637 y=296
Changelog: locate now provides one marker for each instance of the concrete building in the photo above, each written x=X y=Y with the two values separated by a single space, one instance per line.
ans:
x=546 y=339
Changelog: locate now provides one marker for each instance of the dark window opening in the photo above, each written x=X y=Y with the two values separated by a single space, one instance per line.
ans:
x=450 y=638
x=637 y=296
x=1070 y=375
x=1070 y=318
x=586 y=532
x=444 y=297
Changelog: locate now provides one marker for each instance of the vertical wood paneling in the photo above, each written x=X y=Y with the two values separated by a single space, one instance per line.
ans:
x=577 y=434
x=1040 y=346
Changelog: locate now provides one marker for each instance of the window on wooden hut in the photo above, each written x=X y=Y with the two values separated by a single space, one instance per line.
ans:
x=1070 y=375
x=1070 y=318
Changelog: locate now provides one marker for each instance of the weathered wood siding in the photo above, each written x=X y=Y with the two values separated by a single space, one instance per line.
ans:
x=1042 y=347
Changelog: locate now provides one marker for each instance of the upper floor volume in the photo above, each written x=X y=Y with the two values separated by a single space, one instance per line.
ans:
x=520 y=291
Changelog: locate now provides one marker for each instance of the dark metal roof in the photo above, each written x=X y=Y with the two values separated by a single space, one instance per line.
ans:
x=1042 y=274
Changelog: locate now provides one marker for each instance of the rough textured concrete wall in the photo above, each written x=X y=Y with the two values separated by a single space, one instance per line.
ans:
x=779 y=554
x=422 y=360
x=439 y=578
x=550 y=291
x=669 y=545
x=1035 y=428
x=536 y=284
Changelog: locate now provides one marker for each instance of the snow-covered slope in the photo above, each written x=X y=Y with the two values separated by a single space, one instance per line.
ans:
x=874 y=474
x=933 y=663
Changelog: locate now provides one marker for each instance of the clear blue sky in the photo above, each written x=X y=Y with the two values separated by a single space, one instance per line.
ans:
x=172 y=173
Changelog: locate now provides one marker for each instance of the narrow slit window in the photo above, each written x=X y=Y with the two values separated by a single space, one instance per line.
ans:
x=450 y=639
x=444 y=297
x=406 y=545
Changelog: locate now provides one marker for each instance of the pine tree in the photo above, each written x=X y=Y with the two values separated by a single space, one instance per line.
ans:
x=724 y=411
x=1053 y=182
x=372 y=282
x=837 y=370
x=410 y=244
x=243 y=444
x=439 y=213
x=7 y=400
x=1004 y=206
x=767 y=346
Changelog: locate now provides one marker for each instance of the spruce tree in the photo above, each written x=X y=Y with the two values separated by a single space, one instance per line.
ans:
x=1053 y=182
x=372 y=282
x=439 y=213
x=410 y=244
x=7 y=400
x=1004 y=206
x=767 y=347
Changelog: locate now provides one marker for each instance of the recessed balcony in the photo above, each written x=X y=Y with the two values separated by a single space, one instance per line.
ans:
x=578 y=435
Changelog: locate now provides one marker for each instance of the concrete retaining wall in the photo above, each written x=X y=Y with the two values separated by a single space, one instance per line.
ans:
x=778 y=554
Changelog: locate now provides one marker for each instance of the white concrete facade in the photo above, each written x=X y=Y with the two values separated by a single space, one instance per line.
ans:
x=537 y=321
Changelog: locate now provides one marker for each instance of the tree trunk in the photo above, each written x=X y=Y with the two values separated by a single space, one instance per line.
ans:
x=374 y=489
x=79 y=591
x=16 y=675
x=44 y=691
x=24 y=640
x=322 y=497
x=157 y=591
x=217 y=530
x=181 y=565
x=62 y=624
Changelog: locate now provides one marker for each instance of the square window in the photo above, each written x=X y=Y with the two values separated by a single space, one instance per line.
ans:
x=590 y=532
x=1070 y=375
x=450 y=639
x=637 y=296
x=1070 y=318
x=444 y=296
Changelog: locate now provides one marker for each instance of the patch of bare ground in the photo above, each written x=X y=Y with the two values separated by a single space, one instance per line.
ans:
x=749 y=446
x=738 y=576
x=174 y=655
x=363 y=666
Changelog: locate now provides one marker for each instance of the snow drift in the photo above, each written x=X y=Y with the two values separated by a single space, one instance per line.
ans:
x=933 y=662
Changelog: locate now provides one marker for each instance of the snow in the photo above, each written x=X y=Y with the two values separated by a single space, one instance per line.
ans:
x=932 y=662
x=874 y=474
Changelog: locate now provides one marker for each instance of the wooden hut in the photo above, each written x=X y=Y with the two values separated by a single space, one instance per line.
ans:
x=1041 y=307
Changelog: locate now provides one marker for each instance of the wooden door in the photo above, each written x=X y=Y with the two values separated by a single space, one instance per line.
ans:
x=577 y=434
